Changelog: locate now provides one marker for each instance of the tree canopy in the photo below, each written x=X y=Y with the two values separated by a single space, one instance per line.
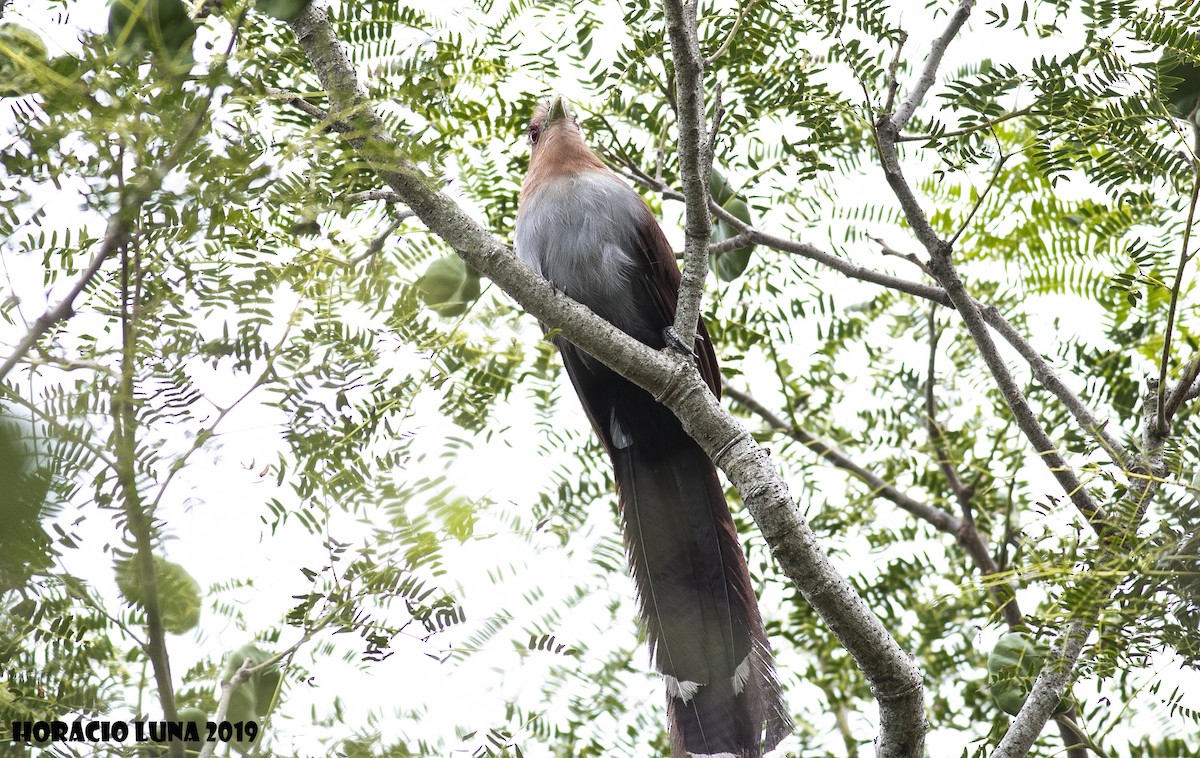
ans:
x=281 y=442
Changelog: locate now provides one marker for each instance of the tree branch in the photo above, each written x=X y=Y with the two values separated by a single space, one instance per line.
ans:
x=380 y=240
x=929 y=73
x=894 y=680
x=120 y=222
x=115 y=236
x=302 y=104
x=737 y=23
x=1042 y=370
x=1048 y=378
x=139 y=519
x=695 y=161
x=941 y=520
x=967 y=534
x=1045 y=694
x=967 y=130
x=1184 y=257
x=969 y=310
x=386 y=196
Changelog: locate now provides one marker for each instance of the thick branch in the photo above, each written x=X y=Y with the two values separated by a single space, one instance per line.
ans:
x=695 y=161
x=894 y=679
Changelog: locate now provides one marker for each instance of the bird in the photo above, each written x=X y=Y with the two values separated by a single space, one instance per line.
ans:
x=581 y=227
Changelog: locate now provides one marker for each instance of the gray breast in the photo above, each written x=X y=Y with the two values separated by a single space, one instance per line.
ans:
x=579 y=232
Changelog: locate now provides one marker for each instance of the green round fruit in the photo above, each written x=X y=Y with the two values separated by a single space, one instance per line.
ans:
x=262 y=685
x=1013 y=665
x=1014 y=653
x=285 y=10
x=179 y=597
x=162 y=27
x=197 y=717
x=449 y=286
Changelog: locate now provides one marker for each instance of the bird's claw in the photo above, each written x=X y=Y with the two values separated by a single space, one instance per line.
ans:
x=676 y=343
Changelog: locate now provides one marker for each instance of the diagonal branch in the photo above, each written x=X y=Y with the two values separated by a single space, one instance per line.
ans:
x=1184 y=258
x=941 y=520
x=970 y=311
x=733 y=30
x=1045 y=374
x=967 y=533
x=894 y=679
x=115 y=236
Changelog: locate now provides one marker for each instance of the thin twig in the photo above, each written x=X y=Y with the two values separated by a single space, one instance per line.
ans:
x=854 y=271
x=941 y=520
x=893 y=67
x=1185 y=389
x=301 y=103
x=979 y=200
x=714 y=131
x=386 y=196
x=887 y=249
x=380 y=239
x=962 y=493
x=1048 y=378
x=1184 y=258
x=116 y=234
x=967 y=130
x=710 y=60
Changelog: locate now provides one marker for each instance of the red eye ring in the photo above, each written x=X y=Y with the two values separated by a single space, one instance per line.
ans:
x=535 y=132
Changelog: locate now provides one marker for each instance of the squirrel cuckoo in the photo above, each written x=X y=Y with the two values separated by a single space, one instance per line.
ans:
x=590 y=234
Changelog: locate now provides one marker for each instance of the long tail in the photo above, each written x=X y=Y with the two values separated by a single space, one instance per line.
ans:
x=701 y=615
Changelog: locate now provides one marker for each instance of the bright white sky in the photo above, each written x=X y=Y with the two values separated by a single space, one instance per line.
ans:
x=215 y=514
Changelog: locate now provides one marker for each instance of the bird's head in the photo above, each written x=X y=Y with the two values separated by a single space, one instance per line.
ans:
x=551 y=121
x=556 y=146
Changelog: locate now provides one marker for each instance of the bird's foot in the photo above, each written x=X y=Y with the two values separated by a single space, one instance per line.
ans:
x=676 y=343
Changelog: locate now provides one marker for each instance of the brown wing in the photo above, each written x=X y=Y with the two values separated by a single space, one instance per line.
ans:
x=664 y=289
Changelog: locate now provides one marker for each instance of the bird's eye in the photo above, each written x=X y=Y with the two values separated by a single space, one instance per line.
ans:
x=535 y=131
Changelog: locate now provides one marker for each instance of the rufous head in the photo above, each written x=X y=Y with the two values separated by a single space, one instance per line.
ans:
x=556 y=146
x=551 y=120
